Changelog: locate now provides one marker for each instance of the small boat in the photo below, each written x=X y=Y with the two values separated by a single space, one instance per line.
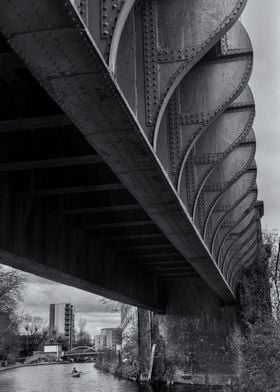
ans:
x=77 y=374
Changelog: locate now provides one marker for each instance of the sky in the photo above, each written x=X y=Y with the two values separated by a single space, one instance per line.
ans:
x=261 y=19
x=39 y=293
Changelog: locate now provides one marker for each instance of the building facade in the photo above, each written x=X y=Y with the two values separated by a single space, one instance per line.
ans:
x=62 y=322
x=109 y=338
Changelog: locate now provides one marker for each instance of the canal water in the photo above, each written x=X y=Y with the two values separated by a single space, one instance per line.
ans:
x=56 y=378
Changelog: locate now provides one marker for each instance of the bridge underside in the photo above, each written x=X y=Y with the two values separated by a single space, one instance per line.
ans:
x=127 y=151
x=64 y=214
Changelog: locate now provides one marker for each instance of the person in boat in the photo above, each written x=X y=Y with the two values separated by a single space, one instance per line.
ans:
x=74 y=371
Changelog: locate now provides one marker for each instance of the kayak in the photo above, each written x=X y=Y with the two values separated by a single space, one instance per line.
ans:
x=76 y=374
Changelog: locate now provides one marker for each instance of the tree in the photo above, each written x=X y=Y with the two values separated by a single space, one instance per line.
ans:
x=272 y=241
x=83 y=338
x=11 y=287
x=35 y=333
x=260 y=339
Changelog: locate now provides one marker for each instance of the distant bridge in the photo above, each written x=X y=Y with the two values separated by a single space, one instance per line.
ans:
x=80 y=351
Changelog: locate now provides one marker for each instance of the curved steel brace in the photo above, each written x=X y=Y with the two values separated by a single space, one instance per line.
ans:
x=209 y=121
x=228 y=184
x=247 y=212
x=249 y=200
x=232 y=275
x=121 y=21
x=196 y=56
x=234 y=265
x=222 y=260
x=237 y=202
x=240 y=263
x=240 y=235
x=211 y=169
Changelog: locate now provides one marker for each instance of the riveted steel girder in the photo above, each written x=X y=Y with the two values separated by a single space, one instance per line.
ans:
x=206 y=92
x=228 y=201
x=243 y=257
x=233 y=234
x=212 y=142
x=161 y=41
x=233 y=217
x=238 y=162
x=252 y=253
x=134 y=37
x=220 y=139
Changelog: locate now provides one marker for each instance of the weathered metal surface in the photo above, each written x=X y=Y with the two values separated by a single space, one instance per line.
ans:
x=232 y=236
x=173 y=122
x=170 y=38
x=220 y=139
x=207 y=91
x=224 y=179
x=160 y=40
x=252 y=253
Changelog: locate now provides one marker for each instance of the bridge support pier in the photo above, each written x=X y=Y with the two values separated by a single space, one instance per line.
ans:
x=196 y=339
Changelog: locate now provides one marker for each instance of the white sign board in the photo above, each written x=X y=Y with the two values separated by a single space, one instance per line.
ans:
x=51 y=349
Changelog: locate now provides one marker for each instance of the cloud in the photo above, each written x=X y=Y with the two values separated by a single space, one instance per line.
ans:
x=96 y=321
x=263 y=27
x=39 y=293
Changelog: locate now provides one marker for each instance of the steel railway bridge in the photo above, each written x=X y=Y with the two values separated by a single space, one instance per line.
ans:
x=127 y=159
x=127 y=148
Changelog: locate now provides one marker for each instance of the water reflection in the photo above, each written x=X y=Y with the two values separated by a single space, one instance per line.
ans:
x=174 y=388
x=56 y=378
